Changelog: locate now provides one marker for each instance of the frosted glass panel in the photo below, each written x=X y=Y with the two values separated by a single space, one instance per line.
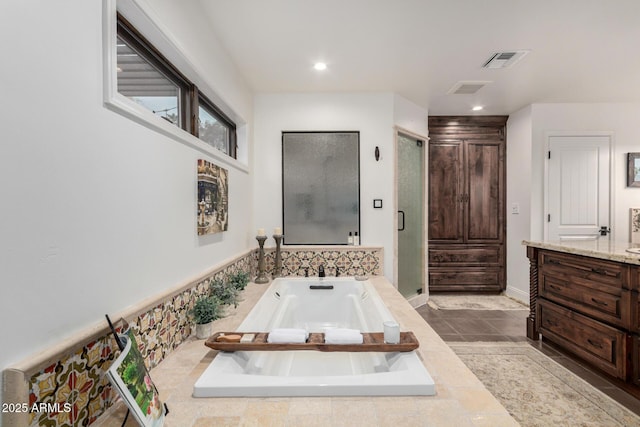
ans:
x=321 y=187
x=410 y=216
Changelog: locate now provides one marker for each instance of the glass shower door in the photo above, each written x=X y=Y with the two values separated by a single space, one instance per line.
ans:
x=411 y=244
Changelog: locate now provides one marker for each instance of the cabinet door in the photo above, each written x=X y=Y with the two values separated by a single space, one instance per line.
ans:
x=446 y=184
x=485 y=191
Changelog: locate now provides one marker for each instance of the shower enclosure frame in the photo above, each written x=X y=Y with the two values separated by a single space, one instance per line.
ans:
x=421 y=298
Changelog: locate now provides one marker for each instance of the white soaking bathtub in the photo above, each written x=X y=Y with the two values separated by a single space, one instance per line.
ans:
x=291 y=303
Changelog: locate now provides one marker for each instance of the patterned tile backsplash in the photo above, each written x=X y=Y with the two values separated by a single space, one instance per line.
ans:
x=350 y=260
x=78 y=379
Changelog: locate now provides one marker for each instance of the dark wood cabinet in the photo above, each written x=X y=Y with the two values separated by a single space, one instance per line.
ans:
x=590 y=307
x=467 y=203
x=598 y=343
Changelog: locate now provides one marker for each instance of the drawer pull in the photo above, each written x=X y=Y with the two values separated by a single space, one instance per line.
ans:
x=551 y=323
x=600 y=271
x=601 y=303
x=595 y=344
x=555 y=288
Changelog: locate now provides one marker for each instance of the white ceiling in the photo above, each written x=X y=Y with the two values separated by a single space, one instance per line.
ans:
x=581 y=50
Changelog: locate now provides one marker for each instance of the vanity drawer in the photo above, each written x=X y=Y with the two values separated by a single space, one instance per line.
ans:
x=589 y=272
x=467 y=256
x=464 y=280
x=595 y=342
x=610 y=305
x=635 y=313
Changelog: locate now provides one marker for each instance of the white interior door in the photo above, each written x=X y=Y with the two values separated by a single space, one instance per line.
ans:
x=578 y=187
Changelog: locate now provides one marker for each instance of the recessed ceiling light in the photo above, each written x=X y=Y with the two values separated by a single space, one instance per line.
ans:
x=477 y=108
x=320 y=66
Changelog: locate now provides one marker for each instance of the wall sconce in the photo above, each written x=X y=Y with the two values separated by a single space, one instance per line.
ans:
x=377 y=153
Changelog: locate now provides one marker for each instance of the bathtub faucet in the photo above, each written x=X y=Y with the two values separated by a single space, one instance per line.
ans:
x=321 y=270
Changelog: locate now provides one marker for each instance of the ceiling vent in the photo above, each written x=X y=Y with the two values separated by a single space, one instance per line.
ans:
x=505 y=59
x=467 y=88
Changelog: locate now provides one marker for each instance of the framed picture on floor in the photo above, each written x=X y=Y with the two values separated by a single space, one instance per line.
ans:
x=131 y=379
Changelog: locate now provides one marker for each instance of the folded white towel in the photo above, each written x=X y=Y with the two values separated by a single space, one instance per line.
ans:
x=287 y=335
x=343 y=336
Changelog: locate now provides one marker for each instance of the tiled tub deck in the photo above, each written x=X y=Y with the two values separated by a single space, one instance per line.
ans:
x=71 y=372
x=461 y=399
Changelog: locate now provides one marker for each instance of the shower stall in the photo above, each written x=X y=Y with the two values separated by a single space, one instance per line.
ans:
x=411 y=238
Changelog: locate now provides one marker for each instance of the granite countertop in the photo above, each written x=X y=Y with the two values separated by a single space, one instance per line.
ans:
x=598 y=248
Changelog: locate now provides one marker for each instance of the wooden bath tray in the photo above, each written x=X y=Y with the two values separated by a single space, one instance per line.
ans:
x=372 y=341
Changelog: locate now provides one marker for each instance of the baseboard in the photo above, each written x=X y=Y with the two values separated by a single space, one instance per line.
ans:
x=417 y=300
x=517 y=294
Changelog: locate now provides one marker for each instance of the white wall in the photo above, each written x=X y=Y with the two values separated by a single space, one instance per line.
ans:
x=619 y=119
x=98 y=212
x=372 y=114
x=519 y=170
x=526 y=147
x=410 y=116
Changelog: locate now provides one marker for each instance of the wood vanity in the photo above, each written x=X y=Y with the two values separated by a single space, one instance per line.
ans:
x=584 y=298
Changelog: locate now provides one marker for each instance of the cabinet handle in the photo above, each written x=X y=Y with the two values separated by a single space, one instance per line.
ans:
x=599 y=302
x=555 y=288
x=594 y=344
x=599 y=270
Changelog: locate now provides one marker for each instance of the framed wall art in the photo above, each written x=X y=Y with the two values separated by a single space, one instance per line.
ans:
x=213 y=198
x=634 y=227
x=633 y=169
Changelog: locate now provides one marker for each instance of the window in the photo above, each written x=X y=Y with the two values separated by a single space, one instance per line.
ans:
x=145 y=76
x=321 y=187
x=215 y=128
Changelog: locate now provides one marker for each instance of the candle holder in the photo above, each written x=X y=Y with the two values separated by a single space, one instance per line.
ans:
x=262 y=275
x=277 y=271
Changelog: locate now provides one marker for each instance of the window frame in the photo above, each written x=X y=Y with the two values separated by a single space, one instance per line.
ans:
x=121 y=20
x=128 y=33
x=218 y=114
x=355 y=170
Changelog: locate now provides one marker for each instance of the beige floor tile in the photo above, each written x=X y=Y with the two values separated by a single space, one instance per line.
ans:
x=353 y=412
x=395 y=405
x=217 y=422
x=400 y=420
x=264 y=420
x=222 y=406
x=429 y=407
x=354 y=420
x=309 y=406
x=308 y=420
x=477 y=400
x=485 y=420
x=181 y=415
x=274 y=408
